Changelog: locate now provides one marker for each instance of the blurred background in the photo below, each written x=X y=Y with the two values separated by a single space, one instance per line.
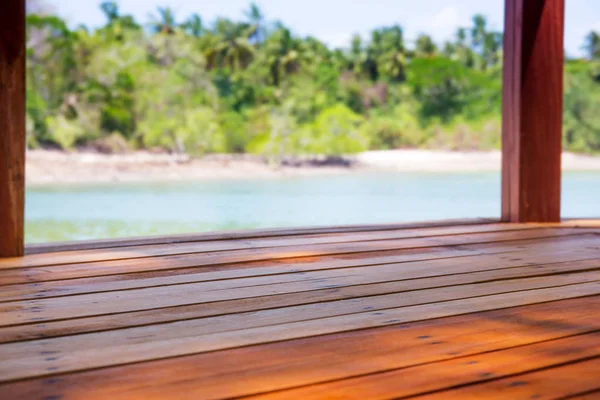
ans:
x=157 y=117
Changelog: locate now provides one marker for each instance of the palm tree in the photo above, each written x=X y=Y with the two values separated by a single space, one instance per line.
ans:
x=229 y=46
x=116 y=24
x=462 y=52
x=392 y=59
x=165 y=23
x=110 y=10
x=492 y=49
x=373 y=51
x=284 y=54
x=449 y=50
x=425 y=47
x=478 y=32
x=461 y=36
x=256 y=20
x=356 y=55
x=193 y=26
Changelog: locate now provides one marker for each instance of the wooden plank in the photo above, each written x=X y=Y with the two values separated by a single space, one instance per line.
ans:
x=79 y=352
x=213 y=268
x=590 y=395
x=226 y=266
x=439 y=273
x=562 y=250
x=212 y=259
x=463 y=371
x=12 y=128
x=277 y=366
x=581 y=223
x=554 y=383
x=38 y=248
x=532 y=110
x=341 y=301
x=69 y=287
x=145 y=251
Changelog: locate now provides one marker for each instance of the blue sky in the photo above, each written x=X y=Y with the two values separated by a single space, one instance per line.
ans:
x=334 y=21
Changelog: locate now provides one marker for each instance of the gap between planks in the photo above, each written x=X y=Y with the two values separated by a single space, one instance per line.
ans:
x=39 y=327
x=557 y=381
x=87 y=351
x=38 y=248
x=297 y=244
x=95 y=312
x=407 y=276
x=239 y=259
x=322 y=268
x=284 y=365
x=452 y=375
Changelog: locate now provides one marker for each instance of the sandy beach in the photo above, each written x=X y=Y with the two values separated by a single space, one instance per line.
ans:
x=56 y=167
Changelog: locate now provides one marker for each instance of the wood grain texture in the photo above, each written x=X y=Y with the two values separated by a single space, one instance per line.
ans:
x=246 y=234
x=532 y=110
x=297 y=244
x=340 y=298
x=593 y=394
x=12 y=128
x=40 y=328
x=30 y=270
x=227 y=265
x=460 y=371
x=319 y=302
x=561 y=382
x=290 y=364
x=326 y=270
x=264 y=313
x=21 y=360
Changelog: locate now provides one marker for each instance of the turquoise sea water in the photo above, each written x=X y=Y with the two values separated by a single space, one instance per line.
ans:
x=57 y=213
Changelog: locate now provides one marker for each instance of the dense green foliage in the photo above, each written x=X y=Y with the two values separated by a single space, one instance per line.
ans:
x=254 y=86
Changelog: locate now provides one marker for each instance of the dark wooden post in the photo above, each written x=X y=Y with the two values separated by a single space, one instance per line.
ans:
x=532 y=110
x=12 y=127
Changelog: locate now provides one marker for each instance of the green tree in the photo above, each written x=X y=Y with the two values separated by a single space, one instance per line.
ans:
x=425 y=47
x=283 y=55
x=479 y=32
x=193 y=26
x=392 y=59
x=256 y=20
x=337 y=131
x=165 y=23
x=444 y=88
x=116 y=24
x=581 y=122
x=229 y=46
x=592 y=45
x=252 y=85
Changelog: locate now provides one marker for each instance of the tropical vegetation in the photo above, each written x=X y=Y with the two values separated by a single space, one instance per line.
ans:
x=193 y=86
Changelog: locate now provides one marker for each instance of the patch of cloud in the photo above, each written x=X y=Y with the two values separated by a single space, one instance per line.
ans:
x=443 y=24
x=340 y=40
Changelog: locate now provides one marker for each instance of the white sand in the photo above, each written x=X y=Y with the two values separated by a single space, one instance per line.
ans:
x=440 y=161
x=54 y=167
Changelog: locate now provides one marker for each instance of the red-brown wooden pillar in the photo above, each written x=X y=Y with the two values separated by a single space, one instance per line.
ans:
x=532 y=110
x=12 y=127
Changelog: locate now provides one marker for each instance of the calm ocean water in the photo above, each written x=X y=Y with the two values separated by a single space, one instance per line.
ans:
x=57 y=213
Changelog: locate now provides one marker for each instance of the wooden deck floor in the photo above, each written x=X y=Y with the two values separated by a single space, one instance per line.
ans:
x=465 y=311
